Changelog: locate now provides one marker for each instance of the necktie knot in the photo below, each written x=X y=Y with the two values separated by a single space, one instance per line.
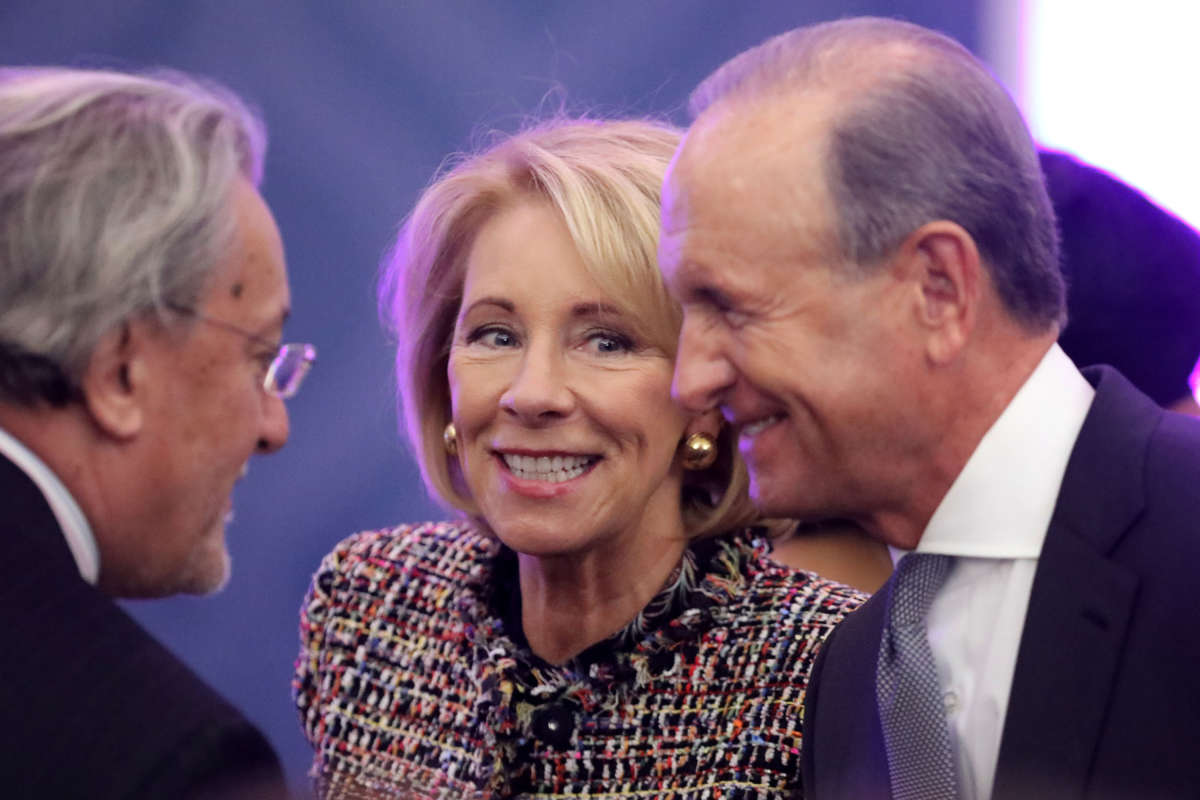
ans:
x=918 y=578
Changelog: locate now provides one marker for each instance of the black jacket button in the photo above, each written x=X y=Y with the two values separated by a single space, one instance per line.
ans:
x=554 y=725
x=661 y=662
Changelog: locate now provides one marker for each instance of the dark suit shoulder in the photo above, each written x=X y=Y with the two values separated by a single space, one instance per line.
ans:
x=97 y=708
x=1105 y=681
x=92 y=706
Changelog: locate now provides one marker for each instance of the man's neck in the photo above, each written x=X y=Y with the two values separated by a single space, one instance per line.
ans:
x=966 y=405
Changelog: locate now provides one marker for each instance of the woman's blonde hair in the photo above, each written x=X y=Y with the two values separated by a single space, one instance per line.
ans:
x=605 y=179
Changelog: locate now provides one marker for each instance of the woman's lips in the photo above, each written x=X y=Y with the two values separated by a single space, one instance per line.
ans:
x=542 y=476
x=551 y=469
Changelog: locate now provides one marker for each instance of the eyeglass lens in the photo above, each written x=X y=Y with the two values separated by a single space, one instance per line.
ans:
x=288 y=369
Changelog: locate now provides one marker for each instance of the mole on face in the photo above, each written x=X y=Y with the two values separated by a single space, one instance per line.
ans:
x=236 y=291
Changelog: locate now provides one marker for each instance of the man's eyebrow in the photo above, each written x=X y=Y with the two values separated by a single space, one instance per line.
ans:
x=284 y=314
x=267 y=332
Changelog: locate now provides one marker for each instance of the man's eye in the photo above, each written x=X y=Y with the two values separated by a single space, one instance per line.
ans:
x=265 y=358
x=714 y=299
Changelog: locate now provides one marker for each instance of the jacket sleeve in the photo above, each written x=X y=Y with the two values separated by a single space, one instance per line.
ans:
x=311 y=682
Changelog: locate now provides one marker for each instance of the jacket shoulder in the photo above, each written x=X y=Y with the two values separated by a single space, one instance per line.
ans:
x=153 y=728
x=779 y=589
x=794 y=610
x=442 y=551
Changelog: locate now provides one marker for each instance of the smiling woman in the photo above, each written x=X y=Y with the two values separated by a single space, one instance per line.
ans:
x=604 y=617
x=567 y=433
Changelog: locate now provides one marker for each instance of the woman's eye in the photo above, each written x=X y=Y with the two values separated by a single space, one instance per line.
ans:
x=610 y=342
x=493 y=337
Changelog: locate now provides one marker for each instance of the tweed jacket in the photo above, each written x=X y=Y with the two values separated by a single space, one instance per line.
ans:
x=414 y=679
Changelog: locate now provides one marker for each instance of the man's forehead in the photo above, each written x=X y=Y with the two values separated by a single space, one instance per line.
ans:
x=711 y=152
x=773 y=120
x=253 y=277
x=748 y=188
x=703 y=177
x=737 y=148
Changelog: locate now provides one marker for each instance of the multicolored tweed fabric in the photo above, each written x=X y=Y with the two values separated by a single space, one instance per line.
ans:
x=415 y=681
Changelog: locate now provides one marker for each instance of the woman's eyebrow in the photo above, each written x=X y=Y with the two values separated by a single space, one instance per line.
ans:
x=490 y=300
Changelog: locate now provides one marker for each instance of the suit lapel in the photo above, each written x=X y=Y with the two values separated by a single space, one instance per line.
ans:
x=1080 y=604
x=843 y=753
x=1078 y=615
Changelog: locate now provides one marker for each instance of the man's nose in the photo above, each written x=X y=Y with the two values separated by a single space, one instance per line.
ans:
x=275 y=424
x=702 y=373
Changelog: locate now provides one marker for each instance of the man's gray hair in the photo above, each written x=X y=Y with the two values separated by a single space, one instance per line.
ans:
x=921 y=131
x=115 y=201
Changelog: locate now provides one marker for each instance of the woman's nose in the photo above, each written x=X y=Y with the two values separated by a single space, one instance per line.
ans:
x=539 y=389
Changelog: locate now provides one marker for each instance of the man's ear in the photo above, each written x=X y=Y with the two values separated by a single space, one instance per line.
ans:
x=942 y=263
x=115 y=381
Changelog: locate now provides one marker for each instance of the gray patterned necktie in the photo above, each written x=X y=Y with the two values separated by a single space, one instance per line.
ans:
x=915 y=732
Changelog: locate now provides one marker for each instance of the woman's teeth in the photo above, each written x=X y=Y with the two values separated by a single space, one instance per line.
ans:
x=554 y=469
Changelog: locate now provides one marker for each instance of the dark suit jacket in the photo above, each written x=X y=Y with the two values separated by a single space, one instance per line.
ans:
x=1105 y=699
x=90 y=705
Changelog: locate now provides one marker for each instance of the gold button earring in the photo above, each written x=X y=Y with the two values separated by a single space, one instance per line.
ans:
x=699 y=452
x=450 y=439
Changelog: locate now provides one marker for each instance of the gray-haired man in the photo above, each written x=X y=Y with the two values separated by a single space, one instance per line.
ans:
x=142 y=297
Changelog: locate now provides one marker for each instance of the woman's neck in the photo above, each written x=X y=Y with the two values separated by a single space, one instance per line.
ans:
x=569 y=603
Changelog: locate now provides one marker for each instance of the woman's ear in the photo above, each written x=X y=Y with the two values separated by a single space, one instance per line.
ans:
x=115 y=381
x=709 y=422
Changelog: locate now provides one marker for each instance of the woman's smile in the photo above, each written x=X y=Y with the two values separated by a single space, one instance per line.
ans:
x=544 y=476
x=550 y=468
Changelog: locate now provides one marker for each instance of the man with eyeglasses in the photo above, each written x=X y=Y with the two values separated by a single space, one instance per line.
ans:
x=143 y=293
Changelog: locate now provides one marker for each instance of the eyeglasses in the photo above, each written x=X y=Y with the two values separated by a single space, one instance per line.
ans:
x=287 y=369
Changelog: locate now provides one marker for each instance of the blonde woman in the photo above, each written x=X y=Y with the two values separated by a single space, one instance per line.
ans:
x=601 y=617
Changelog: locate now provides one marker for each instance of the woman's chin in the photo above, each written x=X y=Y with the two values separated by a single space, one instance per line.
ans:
x=540 y=542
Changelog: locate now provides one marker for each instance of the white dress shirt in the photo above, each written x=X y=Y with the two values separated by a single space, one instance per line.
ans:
x=70 y=516
x=993 y=520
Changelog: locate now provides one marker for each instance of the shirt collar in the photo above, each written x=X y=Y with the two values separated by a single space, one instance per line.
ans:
x=1000 y=505
x=74 y=524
